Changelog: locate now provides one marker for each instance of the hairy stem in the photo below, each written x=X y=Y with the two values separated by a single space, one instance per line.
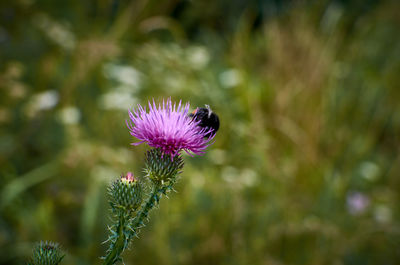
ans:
x=129 y=227
x=119 y=245
x=152 y=201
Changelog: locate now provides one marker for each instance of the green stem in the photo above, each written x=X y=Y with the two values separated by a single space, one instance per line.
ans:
x=119 y=245
x=153 y=200
x=126 y=231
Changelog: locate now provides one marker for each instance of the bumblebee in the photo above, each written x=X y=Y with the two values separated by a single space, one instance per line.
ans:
x=208 y=119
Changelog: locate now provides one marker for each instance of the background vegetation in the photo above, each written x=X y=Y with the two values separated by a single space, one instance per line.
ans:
x=305 y=167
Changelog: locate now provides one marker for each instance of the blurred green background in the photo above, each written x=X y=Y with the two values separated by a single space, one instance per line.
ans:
x=304 y=170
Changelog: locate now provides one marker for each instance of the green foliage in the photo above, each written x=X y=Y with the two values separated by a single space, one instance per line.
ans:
x=304 y=168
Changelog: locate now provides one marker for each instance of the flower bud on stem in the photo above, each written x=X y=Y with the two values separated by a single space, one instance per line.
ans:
x=46 y=253
x=162 y=170
x=129 y=227
x=125 y=198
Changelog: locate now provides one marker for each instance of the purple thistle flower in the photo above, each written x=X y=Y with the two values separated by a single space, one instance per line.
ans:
x=169 y=128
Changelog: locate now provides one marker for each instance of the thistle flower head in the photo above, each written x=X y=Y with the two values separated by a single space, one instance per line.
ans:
x=126 y=193
x=46 y=253
x=168 y=128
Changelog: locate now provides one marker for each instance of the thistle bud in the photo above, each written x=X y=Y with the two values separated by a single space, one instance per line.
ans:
x=126 y=193
x=162 y=167
x=46 y=253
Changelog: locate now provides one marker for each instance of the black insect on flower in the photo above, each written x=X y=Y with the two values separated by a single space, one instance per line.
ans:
x=207 y=119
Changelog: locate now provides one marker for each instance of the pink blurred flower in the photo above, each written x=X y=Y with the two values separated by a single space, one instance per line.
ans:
x=357 y=202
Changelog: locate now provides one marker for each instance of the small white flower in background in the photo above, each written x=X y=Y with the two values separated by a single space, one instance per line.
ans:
x=198 y=57
x=126 y=75
x=369 y=170
x=249 y=177
x=42 y=101
x=357 y=203
x=69 y=115
x=55 y=31
x=45 y=100
x=230 y=78
x=383 y=214
x=230 y=174
x=116 y=101
x=240 y=178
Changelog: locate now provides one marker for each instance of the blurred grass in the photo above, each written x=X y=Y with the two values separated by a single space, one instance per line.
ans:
x=304 y=169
